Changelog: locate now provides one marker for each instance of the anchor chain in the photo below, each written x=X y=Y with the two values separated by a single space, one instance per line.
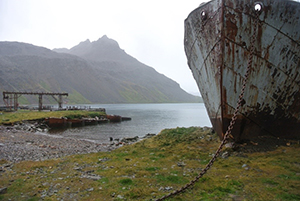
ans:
x=233 y=119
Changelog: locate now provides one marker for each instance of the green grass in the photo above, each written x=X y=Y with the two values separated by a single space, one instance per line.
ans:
x=126 y=182
x=20 y=115
x=150 y=168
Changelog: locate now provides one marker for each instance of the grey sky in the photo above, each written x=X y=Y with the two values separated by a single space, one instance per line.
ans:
x=150 y=30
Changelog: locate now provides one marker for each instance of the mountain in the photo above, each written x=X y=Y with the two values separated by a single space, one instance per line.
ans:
x=91 y=72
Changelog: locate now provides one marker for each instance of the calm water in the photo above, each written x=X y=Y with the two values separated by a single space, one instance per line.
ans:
x=146 y=118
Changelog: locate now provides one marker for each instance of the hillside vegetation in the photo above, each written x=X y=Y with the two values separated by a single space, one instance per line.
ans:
x=91 y=72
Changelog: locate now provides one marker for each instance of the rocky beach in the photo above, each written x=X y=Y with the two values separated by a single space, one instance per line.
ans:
x=30 y=142
x=18 y=145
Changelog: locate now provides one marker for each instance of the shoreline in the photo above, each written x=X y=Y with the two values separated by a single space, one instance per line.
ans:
x=19 y=145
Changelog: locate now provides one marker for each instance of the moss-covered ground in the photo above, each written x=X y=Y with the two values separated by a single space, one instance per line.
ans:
x=156 y=166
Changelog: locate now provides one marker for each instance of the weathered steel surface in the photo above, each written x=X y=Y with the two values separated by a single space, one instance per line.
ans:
x=217 y=41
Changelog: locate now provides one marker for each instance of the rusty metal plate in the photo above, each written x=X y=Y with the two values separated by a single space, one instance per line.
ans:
x=217 y=41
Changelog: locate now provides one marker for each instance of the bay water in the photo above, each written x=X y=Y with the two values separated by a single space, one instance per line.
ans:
x=145 y=118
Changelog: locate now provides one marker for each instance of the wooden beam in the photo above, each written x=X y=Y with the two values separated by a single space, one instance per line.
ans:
x=15 y=95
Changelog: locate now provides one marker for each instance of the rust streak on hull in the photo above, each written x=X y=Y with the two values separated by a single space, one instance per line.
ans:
x=217 y=42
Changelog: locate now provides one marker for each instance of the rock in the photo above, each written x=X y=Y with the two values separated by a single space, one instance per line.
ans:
x=42 y=146
x=3 y=190
x=103 y=159
x=149 y=135
x=90 y=189
x=91 y=176
x=236 y=197
x=39 y=130
x=205 y=128
x=181 y=164
x=132 y=139
x=7 y=165
x=246 y=167
x=229 y=145
x=168 y=188
x=225 y=154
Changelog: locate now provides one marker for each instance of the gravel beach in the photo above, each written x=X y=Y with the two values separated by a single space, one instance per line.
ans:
x=27 y=143
x=18 y=145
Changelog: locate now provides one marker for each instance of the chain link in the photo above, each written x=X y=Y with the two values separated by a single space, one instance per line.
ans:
x=233 y=119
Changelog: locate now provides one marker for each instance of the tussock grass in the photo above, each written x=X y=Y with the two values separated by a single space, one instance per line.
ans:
x=154 y=167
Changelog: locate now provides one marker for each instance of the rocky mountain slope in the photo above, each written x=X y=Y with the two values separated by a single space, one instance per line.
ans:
x=91 y=72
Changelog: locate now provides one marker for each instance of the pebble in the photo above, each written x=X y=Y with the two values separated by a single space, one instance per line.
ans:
x=91 y=176
x=225 y=154
x=3 y=190
x=246 y=167
x=168 y=188
x=90 y=189
x=181 y=164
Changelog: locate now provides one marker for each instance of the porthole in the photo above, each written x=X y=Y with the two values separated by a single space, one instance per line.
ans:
x=203 y=15
x=258 y=6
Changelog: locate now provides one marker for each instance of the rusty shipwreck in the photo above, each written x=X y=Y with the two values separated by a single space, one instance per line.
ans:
x=217 y=45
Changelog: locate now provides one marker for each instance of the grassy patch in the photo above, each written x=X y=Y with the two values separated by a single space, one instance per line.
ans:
x=171 y=179
x=151 y=169
x=156 y=166
x=289 y=197
x=126 y=181
x=20 y=115
x=269 y=181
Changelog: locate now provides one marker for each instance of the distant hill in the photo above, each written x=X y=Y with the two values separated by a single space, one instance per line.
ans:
x=91 y=72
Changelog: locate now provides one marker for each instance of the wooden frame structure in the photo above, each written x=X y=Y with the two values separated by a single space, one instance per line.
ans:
x=10 y=99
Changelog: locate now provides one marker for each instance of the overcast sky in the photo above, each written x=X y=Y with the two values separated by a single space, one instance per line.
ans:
x=152 y=31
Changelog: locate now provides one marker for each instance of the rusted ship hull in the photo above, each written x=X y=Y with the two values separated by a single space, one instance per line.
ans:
x=114 y=118
x=53 y=122
x=217 y=42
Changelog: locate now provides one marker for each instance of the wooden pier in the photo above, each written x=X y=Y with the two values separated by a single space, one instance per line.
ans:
x=10 y=99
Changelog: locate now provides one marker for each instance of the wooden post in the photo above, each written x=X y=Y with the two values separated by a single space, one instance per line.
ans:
x=10 y=104
x=59 y=101
x=40 y=102
x=15 y=102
